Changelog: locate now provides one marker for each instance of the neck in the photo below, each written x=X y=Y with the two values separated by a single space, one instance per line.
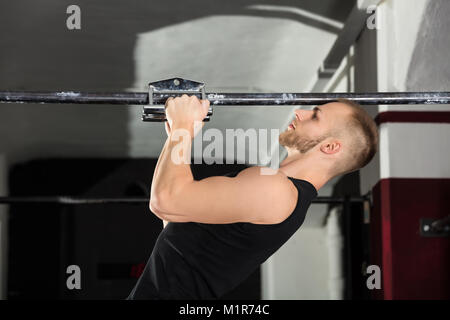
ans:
x=306 y=167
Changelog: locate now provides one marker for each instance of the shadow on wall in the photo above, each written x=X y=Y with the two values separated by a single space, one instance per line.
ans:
x=40 y=53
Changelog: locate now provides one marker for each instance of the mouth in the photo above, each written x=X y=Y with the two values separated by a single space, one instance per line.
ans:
x=292 y=125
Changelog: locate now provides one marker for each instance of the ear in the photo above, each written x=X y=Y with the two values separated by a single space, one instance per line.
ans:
x=331 y=147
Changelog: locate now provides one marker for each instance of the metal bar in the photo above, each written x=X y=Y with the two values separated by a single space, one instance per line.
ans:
x=336 y=200
x=75 y=97
x=353 y=26
x=67 y=200
x=70 y=200
x=355 y=23
x=229 y=99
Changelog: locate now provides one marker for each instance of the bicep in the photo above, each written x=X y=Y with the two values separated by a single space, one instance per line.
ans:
x=245 y=198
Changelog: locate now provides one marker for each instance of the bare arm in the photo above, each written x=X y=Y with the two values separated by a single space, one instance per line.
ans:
x=167 y=128
x=248 y=197
x=177 y=197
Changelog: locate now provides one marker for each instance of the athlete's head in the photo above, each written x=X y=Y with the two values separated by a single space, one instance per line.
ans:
x=341 y=133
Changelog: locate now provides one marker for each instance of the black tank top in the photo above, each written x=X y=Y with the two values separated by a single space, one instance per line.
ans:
x=206 y=261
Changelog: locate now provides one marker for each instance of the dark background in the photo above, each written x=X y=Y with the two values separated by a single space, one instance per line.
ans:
x=110 y=243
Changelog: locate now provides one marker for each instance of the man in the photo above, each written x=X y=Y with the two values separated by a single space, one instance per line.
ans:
x=222 y=228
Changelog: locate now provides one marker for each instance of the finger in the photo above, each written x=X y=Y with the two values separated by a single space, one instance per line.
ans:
x=205 y=104
x=167 y=127
x=169 y=99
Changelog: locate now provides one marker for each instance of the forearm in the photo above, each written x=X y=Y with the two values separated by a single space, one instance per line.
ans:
x=156 y=170
x=163 y=151
x=172 y=171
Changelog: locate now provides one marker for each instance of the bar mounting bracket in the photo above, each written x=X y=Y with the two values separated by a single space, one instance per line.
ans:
x=171 y=88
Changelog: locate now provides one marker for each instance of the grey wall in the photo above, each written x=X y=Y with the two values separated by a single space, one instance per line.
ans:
x=39 y=53
x=429 y=68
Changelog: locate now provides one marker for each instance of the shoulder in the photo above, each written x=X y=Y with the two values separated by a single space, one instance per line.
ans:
x=263 y=173
x=278 y=195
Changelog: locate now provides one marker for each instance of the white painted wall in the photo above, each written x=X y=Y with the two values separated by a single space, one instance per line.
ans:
x=335 y=246
x=399 y=25
x=412 y=37
x=419 y=150
x=403 y=27
x=299 y=269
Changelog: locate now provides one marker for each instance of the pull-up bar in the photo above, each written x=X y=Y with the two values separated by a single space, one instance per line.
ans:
x=68 y=200
x=161 y=90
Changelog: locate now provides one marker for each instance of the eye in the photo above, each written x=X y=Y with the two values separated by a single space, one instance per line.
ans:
x=314 y=116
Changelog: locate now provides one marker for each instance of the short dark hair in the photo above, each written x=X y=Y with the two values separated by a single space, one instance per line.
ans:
x=364 y=133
